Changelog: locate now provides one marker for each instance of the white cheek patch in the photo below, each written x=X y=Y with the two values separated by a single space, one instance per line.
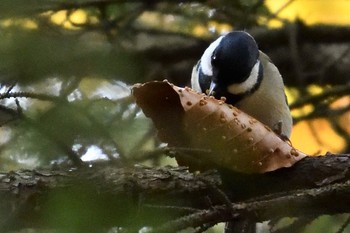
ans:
x=195 y=78
x=206 y=66
x=248 y=84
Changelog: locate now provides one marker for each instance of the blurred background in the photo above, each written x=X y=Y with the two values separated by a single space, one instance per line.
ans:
x=66 y=68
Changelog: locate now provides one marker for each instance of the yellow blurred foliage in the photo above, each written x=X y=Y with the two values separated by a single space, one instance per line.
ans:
x=90 y=84
x=200 y=31
x=213 y=28
x=167 y=22
x=291 y=94
x=149 y=18
x=68 y=20
x=341 y=103
x=311 y=11
x=344 y=120
x=316 y=137
x=219 y=28
x=59 y=17
x=306 y=109
x=25 y=23
x=78 y=17
x=315 y=89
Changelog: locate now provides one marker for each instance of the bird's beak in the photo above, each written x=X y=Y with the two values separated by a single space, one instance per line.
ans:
x=211 y=88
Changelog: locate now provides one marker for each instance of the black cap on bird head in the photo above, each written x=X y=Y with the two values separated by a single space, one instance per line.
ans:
x=234 y=58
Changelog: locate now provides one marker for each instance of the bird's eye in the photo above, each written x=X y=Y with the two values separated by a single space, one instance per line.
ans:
x=214 y=59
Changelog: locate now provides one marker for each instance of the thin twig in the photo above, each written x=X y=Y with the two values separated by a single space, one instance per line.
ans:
x=222 y=214
x=345 y=224
x=218 y=193
x=172 y=208
x=337 y=91
x=322 y=112
x=44 y=97
x=284 y=6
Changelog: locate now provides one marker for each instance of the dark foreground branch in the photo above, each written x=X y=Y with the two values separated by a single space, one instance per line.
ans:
x=306 y=202
x=104 y=196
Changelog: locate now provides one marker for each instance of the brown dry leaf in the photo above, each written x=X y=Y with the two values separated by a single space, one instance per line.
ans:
x=215 y=134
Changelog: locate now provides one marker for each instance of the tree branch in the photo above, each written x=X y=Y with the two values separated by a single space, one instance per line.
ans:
x=142 y=194
x=295 y=204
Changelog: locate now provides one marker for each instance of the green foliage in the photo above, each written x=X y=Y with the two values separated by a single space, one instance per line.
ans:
x=33 y=55
x=44 y=65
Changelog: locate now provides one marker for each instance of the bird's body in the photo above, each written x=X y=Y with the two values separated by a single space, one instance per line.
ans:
x=233 y=67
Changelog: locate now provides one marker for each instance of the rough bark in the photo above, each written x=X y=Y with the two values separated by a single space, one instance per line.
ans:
x=143 y=194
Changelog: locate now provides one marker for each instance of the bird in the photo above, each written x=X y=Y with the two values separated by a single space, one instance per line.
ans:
x=233 y=67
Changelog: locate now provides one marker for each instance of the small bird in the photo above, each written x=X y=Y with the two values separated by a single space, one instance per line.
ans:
x=234 y=67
